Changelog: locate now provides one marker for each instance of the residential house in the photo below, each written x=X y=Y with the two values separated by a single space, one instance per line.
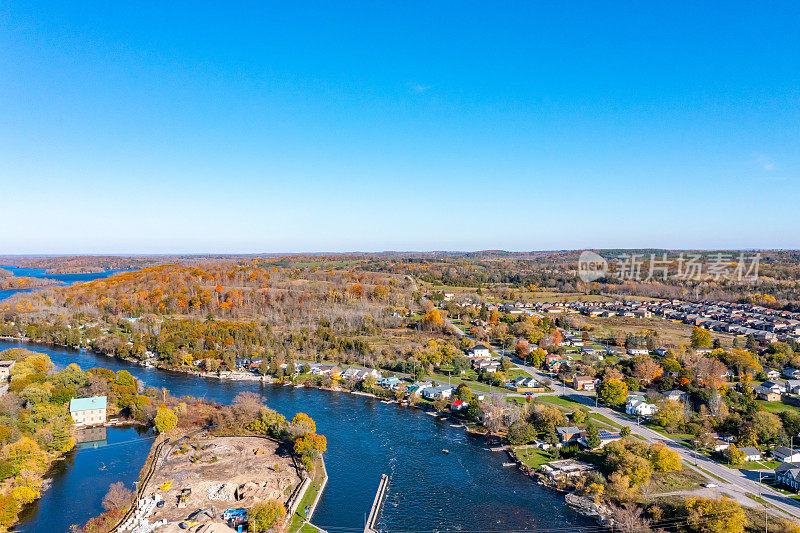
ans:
x=388 y=383
x=638 y=351
x=786 y=455
x=677 y=395
x=360 y=374
x=770 y=391
x=566 y=468
x=480 y=350
x=325 y=370
x=791 y=373
x=720 y=445
x=433 y=393
x=589 y=350
x=88 y=411
x=459 y=405
x=525 y=384
x=773 y=374
x=568 y=434
x=604 y=436
x=5 y=370
x=487 y=366
x=583 y=383
x=638 y=405
x=554 y=362
x=418 y=386
x=793 y=386
x=750 y=453
x=769 y=396
x=788 y=474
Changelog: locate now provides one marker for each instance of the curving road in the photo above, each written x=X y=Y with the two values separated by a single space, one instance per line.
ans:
x=736 y=483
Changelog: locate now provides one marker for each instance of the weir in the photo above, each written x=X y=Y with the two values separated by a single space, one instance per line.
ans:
x=377 y=503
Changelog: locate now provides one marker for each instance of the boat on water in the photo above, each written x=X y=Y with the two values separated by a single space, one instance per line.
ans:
x=445 y=451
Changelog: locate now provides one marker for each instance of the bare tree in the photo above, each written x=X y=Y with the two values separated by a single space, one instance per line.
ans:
x=629 y=519
x=118 y=497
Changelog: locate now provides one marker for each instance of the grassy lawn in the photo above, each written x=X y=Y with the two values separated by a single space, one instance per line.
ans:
x=775 y=407
x=533 y=457
x=517 y=400
x=299 y=516
x=604 y=420
x=677 y=436
x=560 y=401
x=515 y=373
x=758 y=465
x=684 y=479
x=308 y=498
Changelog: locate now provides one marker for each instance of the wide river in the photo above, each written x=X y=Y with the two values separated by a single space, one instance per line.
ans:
x=466 y=490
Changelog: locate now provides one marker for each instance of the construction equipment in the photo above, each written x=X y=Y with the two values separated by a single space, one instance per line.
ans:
x=231 y=514
x=183 y=496
x=210 y=511
x=165 y=486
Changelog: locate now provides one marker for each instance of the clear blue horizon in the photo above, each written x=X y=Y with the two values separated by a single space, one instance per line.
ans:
x=259 y=128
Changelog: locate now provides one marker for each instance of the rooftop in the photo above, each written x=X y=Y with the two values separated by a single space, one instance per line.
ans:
x=84 y=404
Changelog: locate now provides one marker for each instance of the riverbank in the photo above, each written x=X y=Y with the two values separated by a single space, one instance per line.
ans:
x=366 y=438
x=303 y=514
x=200 y=470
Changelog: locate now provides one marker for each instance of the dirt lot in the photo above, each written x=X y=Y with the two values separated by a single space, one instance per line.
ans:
x=223 y=472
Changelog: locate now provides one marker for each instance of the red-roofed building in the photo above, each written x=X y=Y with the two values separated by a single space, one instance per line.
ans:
x=458 y=405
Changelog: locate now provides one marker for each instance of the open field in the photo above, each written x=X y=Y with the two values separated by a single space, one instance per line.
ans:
x=222 y=473
x=684 y=479
x=669 y=332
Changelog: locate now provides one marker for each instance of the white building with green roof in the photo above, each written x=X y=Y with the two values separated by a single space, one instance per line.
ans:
x=88 y=411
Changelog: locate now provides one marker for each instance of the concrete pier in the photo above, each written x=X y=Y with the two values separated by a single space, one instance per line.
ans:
x=377 y=504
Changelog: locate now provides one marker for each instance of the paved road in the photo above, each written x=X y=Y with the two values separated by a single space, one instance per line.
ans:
x=736 y=484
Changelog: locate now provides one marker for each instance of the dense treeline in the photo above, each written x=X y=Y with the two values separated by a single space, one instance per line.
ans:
x=35 y=425
x=178 y=316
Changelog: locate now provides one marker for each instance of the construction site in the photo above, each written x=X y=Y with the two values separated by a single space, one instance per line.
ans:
x=205 y=483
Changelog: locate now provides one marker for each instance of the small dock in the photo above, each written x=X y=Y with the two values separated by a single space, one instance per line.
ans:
x=377 y=504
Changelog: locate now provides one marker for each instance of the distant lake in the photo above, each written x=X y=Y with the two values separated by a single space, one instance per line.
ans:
x=65 y=279
x=465 y=490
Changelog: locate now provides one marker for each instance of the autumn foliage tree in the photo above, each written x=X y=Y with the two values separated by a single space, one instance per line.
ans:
x=722 y=515
x=310 y=445
x=663 y=458
x=613 y=391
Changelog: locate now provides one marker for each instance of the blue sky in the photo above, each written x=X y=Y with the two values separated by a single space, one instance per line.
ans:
x=339 y=126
